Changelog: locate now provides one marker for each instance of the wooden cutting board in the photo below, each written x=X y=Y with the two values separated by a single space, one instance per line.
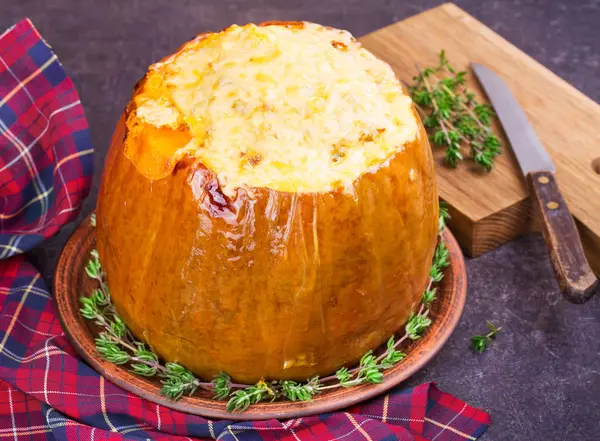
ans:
x=490 y=209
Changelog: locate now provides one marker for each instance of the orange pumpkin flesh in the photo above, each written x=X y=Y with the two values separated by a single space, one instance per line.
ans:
x=257 y=281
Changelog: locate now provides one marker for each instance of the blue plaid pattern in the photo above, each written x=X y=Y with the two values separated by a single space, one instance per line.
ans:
x=46 y=156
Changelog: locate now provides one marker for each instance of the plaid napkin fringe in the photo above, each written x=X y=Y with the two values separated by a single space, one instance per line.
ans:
x=46 y=391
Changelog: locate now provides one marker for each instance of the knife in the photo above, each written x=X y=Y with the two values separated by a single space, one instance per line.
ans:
x=575 y=277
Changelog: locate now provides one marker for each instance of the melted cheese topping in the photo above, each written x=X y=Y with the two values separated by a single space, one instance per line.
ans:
x=298 y=108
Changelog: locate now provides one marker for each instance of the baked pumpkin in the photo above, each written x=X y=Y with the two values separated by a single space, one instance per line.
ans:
x=272 y=210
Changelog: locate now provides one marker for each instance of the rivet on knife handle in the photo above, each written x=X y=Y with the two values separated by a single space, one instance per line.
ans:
x=575 y=277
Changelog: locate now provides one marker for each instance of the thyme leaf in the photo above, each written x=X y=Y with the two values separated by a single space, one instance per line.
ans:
x=452 y=116
x=479 y=343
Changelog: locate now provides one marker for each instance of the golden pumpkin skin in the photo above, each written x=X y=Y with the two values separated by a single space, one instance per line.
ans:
x=266 y=284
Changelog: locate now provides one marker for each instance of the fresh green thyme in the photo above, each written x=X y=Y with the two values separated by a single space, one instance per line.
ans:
x=452 y=115
x=241 y=399
x=294 y=391
x=444 y=215
x=479 y=343
x=222 y=386
x=117 y=344
x=417 y=324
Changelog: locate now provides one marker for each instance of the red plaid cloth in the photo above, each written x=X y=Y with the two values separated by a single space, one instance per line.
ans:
x=46 y=391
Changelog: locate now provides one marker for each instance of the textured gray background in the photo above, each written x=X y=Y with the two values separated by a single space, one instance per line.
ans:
x=541 y=379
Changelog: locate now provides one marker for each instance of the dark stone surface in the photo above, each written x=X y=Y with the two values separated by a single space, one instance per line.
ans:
x=541 y=379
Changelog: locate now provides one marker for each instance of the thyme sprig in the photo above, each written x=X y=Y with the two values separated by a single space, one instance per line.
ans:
x=452 y=115
x=117 y=344
x=479 y=343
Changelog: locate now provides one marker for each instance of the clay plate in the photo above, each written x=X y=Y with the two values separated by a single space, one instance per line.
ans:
x=70 y=283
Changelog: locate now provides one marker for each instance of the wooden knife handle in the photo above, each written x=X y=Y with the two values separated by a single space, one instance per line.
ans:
x=575 y=277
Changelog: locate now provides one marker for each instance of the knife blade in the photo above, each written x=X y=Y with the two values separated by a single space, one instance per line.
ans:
x=530 y=153
x=575 y=277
